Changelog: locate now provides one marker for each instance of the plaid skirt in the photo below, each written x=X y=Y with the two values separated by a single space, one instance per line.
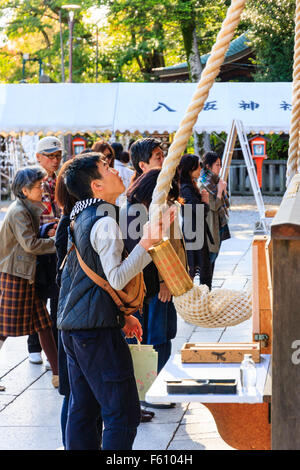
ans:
x=22 y=312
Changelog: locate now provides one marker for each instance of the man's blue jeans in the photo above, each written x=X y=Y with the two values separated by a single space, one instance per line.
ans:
x=101 y=373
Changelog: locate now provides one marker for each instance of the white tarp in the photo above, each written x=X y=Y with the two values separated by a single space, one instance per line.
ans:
x=143 y=107
x=57 y=108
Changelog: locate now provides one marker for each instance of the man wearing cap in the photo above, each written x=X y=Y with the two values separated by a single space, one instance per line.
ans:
x=49 y=155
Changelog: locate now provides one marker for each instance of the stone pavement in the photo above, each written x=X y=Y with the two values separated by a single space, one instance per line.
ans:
x=30 y=407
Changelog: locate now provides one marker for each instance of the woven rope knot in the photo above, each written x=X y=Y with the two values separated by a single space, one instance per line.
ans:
x=214 y=309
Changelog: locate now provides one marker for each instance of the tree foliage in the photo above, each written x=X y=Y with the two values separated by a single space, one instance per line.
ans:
x=159 y=32
x=271 y=25
x=138 y=36
x=33 y=28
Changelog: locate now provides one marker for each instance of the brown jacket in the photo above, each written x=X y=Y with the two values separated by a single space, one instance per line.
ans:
x=213 y=223
x=19 y=242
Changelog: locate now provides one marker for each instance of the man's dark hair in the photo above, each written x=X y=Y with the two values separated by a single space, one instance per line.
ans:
x=141 y=151
x=124 y=157
x=80 y=174
x=118 y=149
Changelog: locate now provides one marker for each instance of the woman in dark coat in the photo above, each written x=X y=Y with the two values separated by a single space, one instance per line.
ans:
x=195 y=228
x=159 y=315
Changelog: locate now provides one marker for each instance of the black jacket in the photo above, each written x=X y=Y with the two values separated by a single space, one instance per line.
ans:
x=83 y=304
x=45 y=276
x=198 y=260
x=61 y=244
x=150 y=271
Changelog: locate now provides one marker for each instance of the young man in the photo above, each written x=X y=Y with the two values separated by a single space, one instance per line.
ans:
x=146 y=154
x=99 y=361
x=48 y=155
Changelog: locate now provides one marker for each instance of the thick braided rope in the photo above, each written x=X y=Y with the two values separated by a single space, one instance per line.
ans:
x=184 y=132
x=294 y=150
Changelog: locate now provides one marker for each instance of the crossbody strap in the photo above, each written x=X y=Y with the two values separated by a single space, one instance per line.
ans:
x=92 y=275
x=99 y=280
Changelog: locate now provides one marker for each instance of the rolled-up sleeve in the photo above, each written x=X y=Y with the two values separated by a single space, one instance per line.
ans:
x=106 y=239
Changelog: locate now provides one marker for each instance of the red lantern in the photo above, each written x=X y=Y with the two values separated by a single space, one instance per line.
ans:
x=258 y=149
x=78 y=145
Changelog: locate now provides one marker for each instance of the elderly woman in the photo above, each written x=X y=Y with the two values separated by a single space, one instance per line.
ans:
x=22 y=312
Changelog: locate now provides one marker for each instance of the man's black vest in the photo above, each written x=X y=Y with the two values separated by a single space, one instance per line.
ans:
x=83 y=304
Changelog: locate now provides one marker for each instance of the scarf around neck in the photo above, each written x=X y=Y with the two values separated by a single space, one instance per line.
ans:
x=210 y=182
x=81 y=205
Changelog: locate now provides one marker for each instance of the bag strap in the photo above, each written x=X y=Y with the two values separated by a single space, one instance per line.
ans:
x=92 y=275
x=98 y=280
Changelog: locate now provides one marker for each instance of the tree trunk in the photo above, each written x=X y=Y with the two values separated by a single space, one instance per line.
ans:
x=152 y=59
x=195 y=70
x=194 y=62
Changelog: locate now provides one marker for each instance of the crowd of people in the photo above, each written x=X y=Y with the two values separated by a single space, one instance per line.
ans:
x=67 y=242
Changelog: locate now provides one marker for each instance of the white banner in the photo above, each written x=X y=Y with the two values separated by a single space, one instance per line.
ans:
x=143 y=107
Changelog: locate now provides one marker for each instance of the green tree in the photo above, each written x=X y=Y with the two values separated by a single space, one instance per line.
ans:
x=33 y=27
x=164 y=32
x=139 y=36
x=271 y=25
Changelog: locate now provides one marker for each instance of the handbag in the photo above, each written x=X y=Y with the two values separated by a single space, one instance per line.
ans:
x=130 y=299
x=145 y=360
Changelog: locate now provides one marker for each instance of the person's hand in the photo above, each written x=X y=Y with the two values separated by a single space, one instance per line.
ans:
x=164 y=293
x=133 y=328
x=51 y=232
x=153 y=232
x=222 y=185
x=204 y=196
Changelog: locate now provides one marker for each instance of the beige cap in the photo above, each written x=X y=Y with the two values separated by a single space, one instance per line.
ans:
x=49 y=144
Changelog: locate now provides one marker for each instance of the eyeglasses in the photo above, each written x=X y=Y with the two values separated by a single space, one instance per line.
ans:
x=110 y=155
x=52 y=156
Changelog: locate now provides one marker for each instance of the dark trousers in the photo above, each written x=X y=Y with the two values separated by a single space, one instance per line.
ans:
x=33 y=342
x=101 y=375
x=164 y=353
x=162 y=327
x=64 y=418
x=213 y=257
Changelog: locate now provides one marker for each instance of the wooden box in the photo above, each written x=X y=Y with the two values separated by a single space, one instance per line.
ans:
x=219 y=352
